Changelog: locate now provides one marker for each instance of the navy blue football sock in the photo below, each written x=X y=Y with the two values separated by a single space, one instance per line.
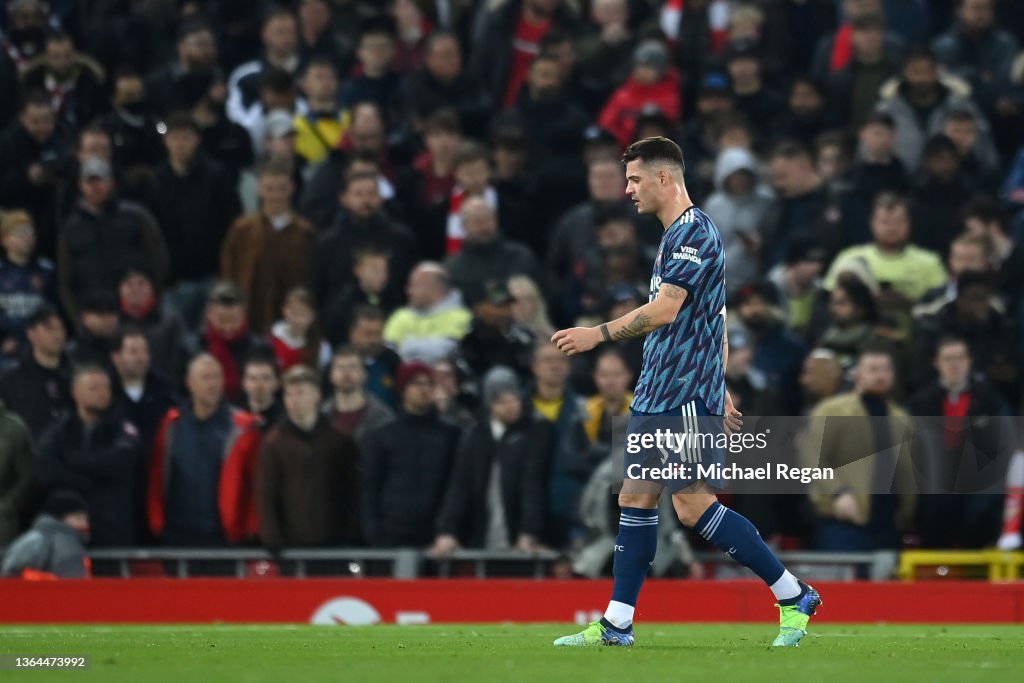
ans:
x=733 y=533
x=634 y=551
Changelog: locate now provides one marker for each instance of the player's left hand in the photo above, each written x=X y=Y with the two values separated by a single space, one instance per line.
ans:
x=733 y=423
x=576 y=339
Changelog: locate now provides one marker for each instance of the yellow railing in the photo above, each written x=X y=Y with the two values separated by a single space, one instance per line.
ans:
x=1001 y=565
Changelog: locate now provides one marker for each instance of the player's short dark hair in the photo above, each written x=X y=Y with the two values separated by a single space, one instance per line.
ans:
x=124 y=333
x=371 y=313
x=655 y=149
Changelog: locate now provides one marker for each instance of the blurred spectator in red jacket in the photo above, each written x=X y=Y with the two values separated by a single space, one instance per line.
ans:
x=651 y=83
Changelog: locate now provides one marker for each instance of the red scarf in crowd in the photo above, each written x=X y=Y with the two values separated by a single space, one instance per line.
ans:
x=219 y=347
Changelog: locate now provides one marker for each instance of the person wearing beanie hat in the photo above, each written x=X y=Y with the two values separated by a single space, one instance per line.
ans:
x=411 y=372
x=496 y=496
x=55 y=545
x=498 y=382
x=652 y=82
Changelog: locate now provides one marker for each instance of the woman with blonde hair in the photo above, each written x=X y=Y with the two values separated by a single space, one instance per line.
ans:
x=529 y=308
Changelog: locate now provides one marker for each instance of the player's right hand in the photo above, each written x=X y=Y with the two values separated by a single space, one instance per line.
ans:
x=576 y=339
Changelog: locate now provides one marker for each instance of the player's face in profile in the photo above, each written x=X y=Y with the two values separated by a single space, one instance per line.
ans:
x=642 y=187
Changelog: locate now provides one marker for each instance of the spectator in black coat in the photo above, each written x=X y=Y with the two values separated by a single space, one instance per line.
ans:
x=136 y=133
x=362 y=225
x=166 y=332
x=485 y=254
x=938 y=195
x=403 y=487
x=94 y=331
x=877 y=169
x=96 y=452
x=495 y=498
x=961 y=422
x=103 y=238
x=988 y=331
x=442 y=84
x=196 y=52
x=195 y=201
x=141 y=395
x=37 y=387
x=70 y=78
x=29 y=176
x=807 y=208
x=494 y=337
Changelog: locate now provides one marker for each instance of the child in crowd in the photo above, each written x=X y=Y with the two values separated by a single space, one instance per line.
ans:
x=296 y=338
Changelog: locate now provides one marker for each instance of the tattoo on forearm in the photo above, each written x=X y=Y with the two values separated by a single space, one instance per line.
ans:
x=638 y=327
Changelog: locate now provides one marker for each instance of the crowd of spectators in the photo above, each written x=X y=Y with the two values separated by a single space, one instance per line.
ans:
x=285 y=272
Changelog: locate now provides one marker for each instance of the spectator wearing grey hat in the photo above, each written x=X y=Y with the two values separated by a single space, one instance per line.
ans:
x=103 y=238
x=495 y=497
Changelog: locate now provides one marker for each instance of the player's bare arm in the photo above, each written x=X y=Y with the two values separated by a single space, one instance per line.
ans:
x=638 y=322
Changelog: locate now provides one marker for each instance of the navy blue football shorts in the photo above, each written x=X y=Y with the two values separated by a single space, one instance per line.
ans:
x=676 y=448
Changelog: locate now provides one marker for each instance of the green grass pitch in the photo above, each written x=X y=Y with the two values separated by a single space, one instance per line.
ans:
x=721 y=653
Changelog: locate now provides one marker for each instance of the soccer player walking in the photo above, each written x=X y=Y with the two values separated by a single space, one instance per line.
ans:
x=683 y=374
